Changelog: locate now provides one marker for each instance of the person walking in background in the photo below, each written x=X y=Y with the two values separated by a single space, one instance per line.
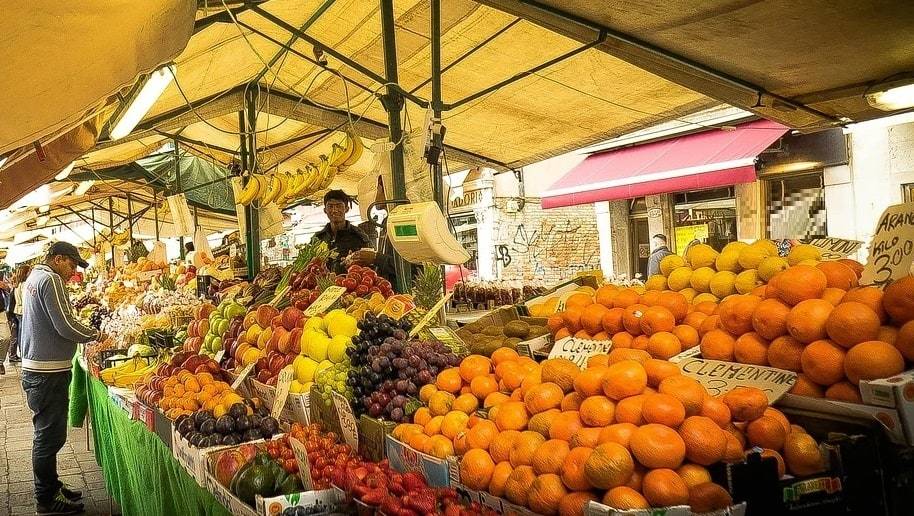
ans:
x=5 y=292
x=50 y=332
x=659 y=252
x=14 y=310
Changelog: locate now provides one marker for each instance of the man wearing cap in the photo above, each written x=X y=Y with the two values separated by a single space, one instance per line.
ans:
x=49 y=335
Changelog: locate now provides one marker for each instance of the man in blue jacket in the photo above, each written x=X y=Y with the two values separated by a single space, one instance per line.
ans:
x=50 y=332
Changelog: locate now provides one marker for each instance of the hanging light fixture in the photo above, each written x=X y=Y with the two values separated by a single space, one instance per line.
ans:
x=3 y=160
x=892 y=95
x=63 y=174
x=83 y=187
x=139 y=103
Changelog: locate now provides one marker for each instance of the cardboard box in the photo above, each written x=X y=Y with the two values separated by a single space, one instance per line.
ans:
x=122 y=398
x=373 y=437
x=163 y=428
x=145 y=415
x=598 y=509
x=298 y=406
x=888 y=418
x=193 y=460
x=896 y=392
x=403 y=458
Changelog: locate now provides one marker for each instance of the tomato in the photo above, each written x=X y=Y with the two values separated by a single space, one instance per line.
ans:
x=290 y=465
x=287 y=454
x=274 y=453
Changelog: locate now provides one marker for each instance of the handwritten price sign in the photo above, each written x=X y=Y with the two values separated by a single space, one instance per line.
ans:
x=834 y=248
x=347 y=420
x=892 y=248
x=283 y=382
x=304 y=465
x=579 y=350
x=325 y=300
x=242 y=375
x=720 y=377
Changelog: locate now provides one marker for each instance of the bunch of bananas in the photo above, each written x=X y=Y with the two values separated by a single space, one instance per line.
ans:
x=127 y=374
x=282 y=188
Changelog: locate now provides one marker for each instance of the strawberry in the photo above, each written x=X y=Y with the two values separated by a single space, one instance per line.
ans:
x=413 y=481
x=391 y=505
x=423 y=502
x=375 y=496
x=374 y=480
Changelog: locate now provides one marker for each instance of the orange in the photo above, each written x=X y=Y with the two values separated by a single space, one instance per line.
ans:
x=622 y=339
x=806 y=387
x=511 y=415
x=624 y=379
x=582 y=334
x=676 y=303
x=640 y=342
x=573 y=469
x=598 y=360
x=657 y=446
x=693 y=474
x=770 y=318
x=561 y=372
x=589 y=382
x=524 y=448
x=473 y=366
x=716 y=411
x=440 y=403
x=711 y=323
x=481 y=435
x=449 y=380
x=426 y=391
x=657 y=370
x=687 y=390
x=751 y=348
x=542 y=421
x=493 y=399
x=518 y=484
x=571 y=401
x=555 y=322
x=705 y=442
x=844 y=391
x=421 y=416
x=572 y=318
x=482 y=386
x=466 y=403
x=871 y=297
x=746 y=403
x=802 y=455
x=806 y=321
x=823 y=362
x=612 y=320
x=705 y=307
x=694 y=319
x=656 y=319
x=838 y=275
x=736 y=313
x=589 y=437
x=854 y=265
x=631 y=318
x=766 y=432
x=605 y=295
x=565 y=425
x=601 y=336
x=502 y=355
x=610 y=465
x=799 y=283
x=708 y=497
x=500 y=475
x=619 y=355
x=597 y=411
x=735 y=446
x=890 y=334
x=625 y=498
x=501 y=446
x=718 y=345
x=663 y=345
x=592 y=318
x=546 y=493
x=687 y=335
x=663 y=488
x=871 y=360
x=476 y=468
x=578 y=300
x=628 y=410
x=543 y=397
x=562 y=333
x=662 y=409
x=778 y=459
x=626 y=298
x=650 y=298
x=834 y=295
x=903 y=339
x=576 y=502
x=785 y=352
x=620 y=433
x=852 y=323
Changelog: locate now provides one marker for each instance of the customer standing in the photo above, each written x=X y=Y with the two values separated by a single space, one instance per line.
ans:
x=5 y=290
x=659 y=252
x=50 y=332
x=14 y=310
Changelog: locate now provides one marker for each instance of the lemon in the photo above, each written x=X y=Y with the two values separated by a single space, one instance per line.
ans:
x=802 y=252
x=679 y=278
x=771 y=266
x=728 y=261
x=689 y=293
x=752 y=255
x=701 y=278
x=670 y=263
x=721 y=284
x=701 y=255
x=704 y=296
x=736 y=246
x=656 y=282
x=746 y=281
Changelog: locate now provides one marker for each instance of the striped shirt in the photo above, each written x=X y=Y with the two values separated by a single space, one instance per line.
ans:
x=49 y=331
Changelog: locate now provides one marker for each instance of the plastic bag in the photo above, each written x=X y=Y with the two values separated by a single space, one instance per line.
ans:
x=158 y=255
x=203 y=254
x=181 y=217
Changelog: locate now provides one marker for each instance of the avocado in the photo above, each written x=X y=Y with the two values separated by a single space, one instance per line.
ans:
x=537 y=331
x=256 y=480
x=518 y=329
x=493 y=330
x=262 y=459
x=511 y=342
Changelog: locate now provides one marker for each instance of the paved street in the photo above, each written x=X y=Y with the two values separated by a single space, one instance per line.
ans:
x=75 y=463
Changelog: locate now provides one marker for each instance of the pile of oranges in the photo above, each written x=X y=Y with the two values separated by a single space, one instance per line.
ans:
x=628 y=430
x=186 y=392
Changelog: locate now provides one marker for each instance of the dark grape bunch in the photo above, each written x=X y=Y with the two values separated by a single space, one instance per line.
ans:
x=97 y=316
x=84 y=301
x=388 y=369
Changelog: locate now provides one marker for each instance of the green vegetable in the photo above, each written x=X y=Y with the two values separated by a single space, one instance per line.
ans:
x=290 y=485
x=256 y=480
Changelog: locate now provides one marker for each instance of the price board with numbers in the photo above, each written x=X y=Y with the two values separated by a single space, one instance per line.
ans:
x=304 y=465
x=891 y=254
x=720 y=377
x=325 y=300
x=283 y=382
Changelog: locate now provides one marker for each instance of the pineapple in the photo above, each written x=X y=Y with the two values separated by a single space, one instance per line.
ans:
x=427 y=286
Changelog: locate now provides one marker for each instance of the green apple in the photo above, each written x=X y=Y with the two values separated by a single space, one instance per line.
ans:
x=336 y=352
x=216 y=344
x=315 y=323
x=304 y=368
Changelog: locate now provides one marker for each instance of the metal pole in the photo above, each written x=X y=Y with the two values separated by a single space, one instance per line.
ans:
x=155 y=211
x=130 y=218
x=247 y=123
x=111 y=227
x=436 y=97
x=177 y=154
x=94 y=233
x=393 y=103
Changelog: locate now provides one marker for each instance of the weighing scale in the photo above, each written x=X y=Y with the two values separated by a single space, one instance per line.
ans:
x=419 y=232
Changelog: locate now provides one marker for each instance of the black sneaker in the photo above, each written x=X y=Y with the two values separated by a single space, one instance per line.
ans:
x=59 y=506
x=2 y=369
x=72 y=495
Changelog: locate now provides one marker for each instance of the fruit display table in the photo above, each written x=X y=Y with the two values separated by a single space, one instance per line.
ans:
x=140 y=471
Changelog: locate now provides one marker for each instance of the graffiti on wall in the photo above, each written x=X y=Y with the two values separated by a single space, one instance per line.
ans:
x=561 y=246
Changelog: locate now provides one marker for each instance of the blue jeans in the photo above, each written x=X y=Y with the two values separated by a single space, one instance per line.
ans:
x=48 y=396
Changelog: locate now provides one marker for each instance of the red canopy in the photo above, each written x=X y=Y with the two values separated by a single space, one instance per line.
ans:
x=703 y=160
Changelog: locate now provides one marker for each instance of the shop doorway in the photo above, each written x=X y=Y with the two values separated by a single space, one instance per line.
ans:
x=706 y=216
x=640 y=246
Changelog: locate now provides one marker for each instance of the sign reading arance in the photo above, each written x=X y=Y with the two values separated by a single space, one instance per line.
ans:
x=721 y=377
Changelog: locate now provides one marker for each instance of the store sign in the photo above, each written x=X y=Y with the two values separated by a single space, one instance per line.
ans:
x=685 y=234
x=720 y=377
x=579 y=350
x=465 y=202
x=834 y=248
x=892 y=247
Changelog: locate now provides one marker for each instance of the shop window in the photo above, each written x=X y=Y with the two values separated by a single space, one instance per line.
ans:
x=706 y=216
x=464 y=226
x=908 y=192
x=796 y=207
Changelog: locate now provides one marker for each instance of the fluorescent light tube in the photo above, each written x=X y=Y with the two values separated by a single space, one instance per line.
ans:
x=83 y=187
x=63 y=174
x=151 y=90
x=892 y=96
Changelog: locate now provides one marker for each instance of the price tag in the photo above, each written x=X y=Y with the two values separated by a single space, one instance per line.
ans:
x=892 y=247
x=233 y=250
x=325 y=300
x=446 y=336
x=834 y=248
x=430 y=315
x=394 y=308
x=347 y=420
x=304 y=466
x=242 y=375
x=579 y=350
x=219 y=355
x=283 y=382
x=721 y=377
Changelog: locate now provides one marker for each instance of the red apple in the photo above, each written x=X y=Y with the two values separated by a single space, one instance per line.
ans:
x=265 y=315
x=263 y=376
x=295 y=341
x=282 y=339
x=290 y=317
